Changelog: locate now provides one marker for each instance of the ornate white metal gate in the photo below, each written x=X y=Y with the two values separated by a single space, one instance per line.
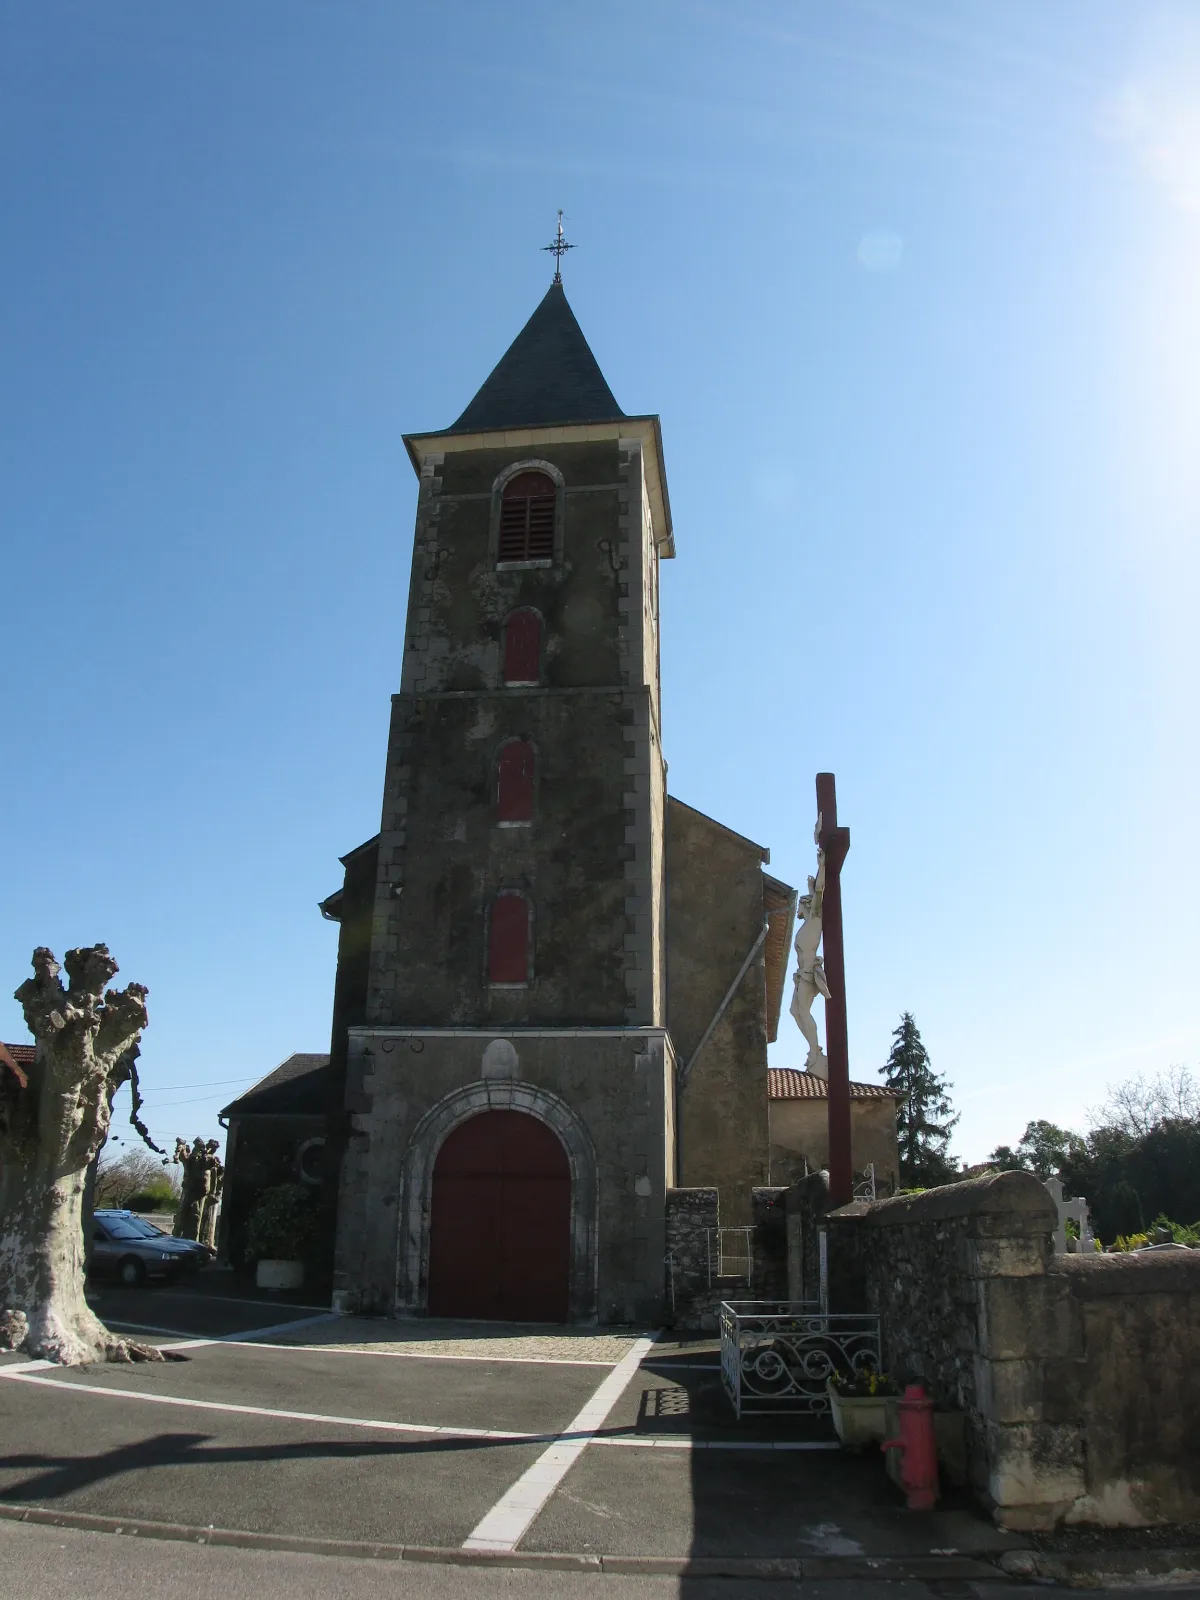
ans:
x=778 y=1356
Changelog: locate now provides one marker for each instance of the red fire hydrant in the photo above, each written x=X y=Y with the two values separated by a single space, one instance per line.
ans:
x=918 y=1452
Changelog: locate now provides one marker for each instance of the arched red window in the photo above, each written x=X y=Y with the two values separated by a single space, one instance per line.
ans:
x=514 y=782
x=508 y=939
x=523 y=647
x=527 y=518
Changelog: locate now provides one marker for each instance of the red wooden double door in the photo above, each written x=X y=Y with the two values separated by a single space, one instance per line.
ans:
x=500 y=1228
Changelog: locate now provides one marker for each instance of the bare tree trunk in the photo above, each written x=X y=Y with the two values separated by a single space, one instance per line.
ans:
x=51 y=1128
x=190 y=1212
x=212 y=1200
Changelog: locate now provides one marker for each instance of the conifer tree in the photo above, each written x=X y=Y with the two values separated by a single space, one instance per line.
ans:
x=924 y=1114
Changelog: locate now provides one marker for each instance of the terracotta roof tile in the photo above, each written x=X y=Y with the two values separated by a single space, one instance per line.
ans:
x=22 y=1054
x=786 y=1083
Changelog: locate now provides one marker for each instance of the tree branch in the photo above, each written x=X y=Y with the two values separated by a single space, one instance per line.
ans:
x=43 y=998
x=122 y=1018
x=89 y=968
x=129 y=1063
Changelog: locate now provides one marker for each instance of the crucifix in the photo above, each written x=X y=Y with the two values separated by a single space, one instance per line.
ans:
x=825 y=974
x=558 y=248
x=834 y=844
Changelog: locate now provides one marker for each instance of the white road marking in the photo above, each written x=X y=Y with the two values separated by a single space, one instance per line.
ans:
x=668 y=1366
x=243 y=1336
x=507 y=1522
x=23 y=1366
x=431 y=1428
x=149 y=1327
x=435 y=1355
x=252 y=1338
x=250 y=1335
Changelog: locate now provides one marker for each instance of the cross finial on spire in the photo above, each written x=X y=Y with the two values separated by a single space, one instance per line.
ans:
x=558 y=249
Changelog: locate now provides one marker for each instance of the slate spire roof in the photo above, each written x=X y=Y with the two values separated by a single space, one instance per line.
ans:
x=548 y=375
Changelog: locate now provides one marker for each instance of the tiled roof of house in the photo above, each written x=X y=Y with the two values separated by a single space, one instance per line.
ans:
x=14 y=1058
x=786 y=1083
x=548 y=375
x=297 y=1086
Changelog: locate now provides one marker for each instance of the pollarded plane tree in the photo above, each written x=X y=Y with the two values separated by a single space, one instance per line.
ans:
x=53 y=1121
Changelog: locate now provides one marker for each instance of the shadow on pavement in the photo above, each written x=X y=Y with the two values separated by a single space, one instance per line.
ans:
x=59 y=1476
x=190 y=1312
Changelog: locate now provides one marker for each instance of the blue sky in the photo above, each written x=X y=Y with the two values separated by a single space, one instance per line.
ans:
x=913 y=288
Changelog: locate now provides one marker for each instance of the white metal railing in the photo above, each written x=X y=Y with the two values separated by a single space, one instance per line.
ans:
x=731 y=1254
x=779 y=1355
x=864 y=1189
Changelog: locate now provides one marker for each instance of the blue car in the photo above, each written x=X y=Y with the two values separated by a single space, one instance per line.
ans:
x=135 y=1252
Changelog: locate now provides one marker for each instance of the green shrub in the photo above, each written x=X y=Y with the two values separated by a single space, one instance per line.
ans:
x=281 y=1224
x=1176 y=1232
x=1179 y=1233
x=1129 y=1241
x=159 y=1199
x=864 y=1383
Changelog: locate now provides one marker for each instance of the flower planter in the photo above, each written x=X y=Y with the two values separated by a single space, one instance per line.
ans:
x=279 y=1274
x=860 y=1420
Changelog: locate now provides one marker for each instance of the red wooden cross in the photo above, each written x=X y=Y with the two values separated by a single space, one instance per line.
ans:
x=835 y=842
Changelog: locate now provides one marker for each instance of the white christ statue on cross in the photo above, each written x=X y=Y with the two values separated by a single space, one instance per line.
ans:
x=809 y=979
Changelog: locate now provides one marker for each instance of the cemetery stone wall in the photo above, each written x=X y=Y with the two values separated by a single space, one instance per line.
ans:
x=1134 y=1383
x=1078 y=1376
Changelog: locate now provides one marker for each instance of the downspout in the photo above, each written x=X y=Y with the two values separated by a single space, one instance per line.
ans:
x=721 y=1009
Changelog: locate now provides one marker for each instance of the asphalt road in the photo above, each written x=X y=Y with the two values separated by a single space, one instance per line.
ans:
x=579 y=1442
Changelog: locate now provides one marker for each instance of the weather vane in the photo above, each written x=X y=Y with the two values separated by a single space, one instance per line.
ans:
x=558 y=249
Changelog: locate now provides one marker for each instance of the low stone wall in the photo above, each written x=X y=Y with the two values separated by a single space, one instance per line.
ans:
x=694 y=1290
x=1078 y=1376
x=1134 y=1383
x=768 y=1214
x=806 y=1204
x=691 y=1299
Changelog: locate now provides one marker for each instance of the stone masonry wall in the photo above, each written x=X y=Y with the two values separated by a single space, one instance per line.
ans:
x=694 y=1289
x=691 y=1216
x=591 y=862
x=715 y=914
x=806 y=1204
x=1078 y=1376
x=1132 y=1379
x=604 y=1092
x=769 y=1217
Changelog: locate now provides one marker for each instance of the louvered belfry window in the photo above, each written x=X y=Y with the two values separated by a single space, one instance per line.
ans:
x=527 y=518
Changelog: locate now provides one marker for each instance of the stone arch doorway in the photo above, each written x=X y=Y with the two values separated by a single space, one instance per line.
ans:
x=499 y=1089
x=500 y=1221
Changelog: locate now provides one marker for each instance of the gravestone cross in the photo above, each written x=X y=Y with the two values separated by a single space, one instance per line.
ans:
x=835 y=843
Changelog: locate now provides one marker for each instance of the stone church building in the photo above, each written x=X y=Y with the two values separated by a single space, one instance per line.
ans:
x=556 y=982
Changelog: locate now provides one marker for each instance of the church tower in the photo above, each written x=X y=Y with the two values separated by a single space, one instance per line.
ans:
x=508 y=1077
